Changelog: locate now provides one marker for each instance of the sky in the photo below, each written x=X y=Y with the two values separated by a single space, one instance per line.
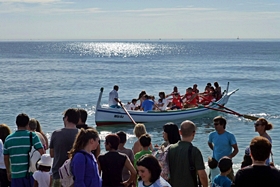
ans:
x=139 y=19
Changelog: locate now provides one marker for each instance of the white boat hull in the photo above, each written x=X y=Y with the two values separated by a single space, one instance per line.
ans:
x=117 y=116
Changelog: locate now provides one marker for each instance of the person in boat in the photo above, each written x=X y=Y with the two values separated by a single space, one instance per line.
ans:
x=175 y=90
x=191 y=98
x=261 y=126
x=195 y=90
x=141 y=97
x=139 y=130
x=218 y=91
x=113 y=95
x=209 y=97
x=112 y=163
x=133 y=105
x=164 y=100
x=176 y=102
x=147 y=104
x=207 y=87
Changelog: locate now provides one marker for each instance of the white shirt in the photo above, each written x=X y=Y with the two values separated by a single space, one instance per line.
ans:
x=165 y=103
x=42 y=177
x=133 y=106
x=2 y=164
x=159 y=183
x=112 y=95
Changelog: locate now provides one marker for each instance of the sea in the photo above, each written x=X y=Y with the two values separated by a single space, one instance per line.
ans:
x=44 y=78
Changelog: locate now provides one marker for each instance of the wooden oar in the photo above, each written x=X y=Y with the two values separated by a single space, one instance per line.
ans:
x=220 y=110
x=254 y=118
x=116 y=99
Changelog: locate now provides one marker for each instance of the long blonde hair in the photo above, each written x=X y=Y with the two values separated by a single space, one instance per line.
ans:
x=82 y=139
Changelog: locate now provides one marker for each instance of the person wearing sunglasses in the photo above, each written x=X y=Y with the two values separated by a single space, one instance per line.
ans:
x=222 y=142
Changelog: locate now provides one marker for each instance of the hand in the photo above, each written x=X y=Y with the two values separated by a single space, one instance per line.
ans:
x=9 y=176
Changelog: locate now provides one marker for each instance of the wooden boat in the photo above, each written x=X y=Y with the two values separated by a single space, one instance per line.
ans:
x=117 y=116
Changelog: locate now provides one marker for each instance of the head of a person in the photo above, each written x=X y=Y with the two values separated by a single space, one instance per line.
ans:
x=187 y=129
x=209 y=84
x=189 y=90
x=160 y=100
x=142 y=93
x=216 y=84
x=247 y=160
x=32 y=124
x=22 y=120
x=116 y=87
x=139 y=129
x=145 y=140
x=176 y=95
x=83 y=115
x=262 y=125
x=85 y=137
x=225 y=164
x=171 y=133
x=4 y=132
x=161 y=95
x=212 y=163
x=72 y=115
x=194 y=86
x=219 y=121
x=175 y=89
x=148 y=168
x=45 y=163
x=38 y=128
x=146 y=96
x=212 y=89
x=134 y=101
x=122 y=136
x=112 y=142
x=260 y=148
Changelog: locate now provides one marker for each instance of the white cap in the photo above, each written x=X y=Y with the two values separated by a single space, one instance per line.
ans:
x=46 y=160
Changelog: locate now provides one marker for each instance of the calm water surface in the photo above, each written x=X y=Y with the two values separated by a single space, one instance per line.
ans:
x=43 y=79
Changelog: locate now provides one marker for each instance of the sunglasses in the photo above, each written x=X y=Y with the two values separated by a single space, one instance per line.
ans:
x=257 y=124
x=216 y=124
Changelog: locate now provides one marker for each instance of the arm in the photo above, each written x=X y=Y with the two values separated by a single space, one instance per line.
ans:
x=78 y=168
x=7 y=164
x=97 y=151
x=46 y=140
x=41 y=151
x=210 y=145
x=133 y=173
x=51 y=153
x=235 y=151
x=99 y=166
x=203 y=177
x=35 y=184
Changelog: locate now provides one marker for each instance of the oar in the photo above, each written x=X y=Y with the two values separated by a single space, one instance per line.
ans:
x=254 y=118
x=125 y=111
x=220 y=110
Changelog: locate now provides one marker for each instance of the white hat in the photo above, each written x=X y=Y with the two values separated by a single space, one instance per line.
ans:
x=46 y=160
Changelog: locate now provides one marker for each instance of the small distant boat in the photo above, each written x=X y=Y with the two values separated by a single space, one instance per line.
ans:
x=237 y=38
x=106 y=116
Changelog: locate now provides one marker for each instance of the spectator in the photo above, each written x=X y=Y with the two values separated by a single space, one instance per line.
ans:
x=16 y=149
x=149 y=172
x=62 y=141
x=42 y=177
x=39 y=129
x=139 y=130
x=247 y=160
x=145 y=141
x=83 y=164
x=32 y=127
x=225 y=166
x=180 y=161
x=4 y=132
x=112 y=163
x=222 y=142
x=259 y=174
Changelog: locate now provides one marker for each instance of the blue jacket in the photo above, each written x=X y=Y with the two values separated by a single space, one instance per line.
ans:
x=85 y=170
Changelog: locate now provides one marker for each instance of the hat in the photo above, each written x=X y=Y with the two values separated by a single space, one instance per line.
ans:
x=225 y=164
x=46 y=160
x=247 y=151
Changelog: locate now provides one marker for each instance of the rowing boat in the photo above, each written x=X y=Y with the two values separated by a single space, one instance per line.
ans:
x=106 y=116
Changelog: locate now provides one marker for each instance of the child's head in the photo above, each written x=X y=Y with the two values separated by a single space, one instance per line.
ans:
x=247 y=160
x=212 y=163
x=45 y=163
x=134 y=101
x=148 y=168
x=145 y=140
x=122 y=136
x=225 y=164
x=160 y=100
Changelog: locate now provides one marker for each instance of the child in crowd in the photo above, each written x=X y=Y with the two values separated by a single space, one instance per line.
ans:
x=247 y=160
x=225 y=166
x=214 y=170
x=149 y=172
x=145 y=141
x=42 y=177
x=128 y=152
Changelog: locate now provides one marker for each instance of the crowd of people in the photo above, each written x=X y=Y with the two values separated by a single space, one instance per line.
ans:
x=174 y=100
x=176 y=162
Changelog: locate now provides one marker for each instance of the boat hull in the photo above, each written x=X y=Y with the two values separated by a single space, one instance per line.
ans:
x=116 y=116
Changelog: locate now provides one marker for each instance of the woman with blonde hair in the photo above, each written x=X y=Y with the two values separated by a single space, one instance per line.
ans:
x=39 y=129
x=84 y=166
x=261 y=126
x=139 y=130
x=4 y=132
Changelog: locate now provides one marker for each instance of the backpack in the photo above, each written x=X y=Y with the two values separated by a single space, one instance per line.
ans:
x=34 y=156
x=65 y=174
x=162 y=157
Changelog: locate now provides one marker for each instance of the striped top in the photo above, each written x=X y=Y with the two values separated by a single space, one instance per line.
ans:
x=17 y=146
